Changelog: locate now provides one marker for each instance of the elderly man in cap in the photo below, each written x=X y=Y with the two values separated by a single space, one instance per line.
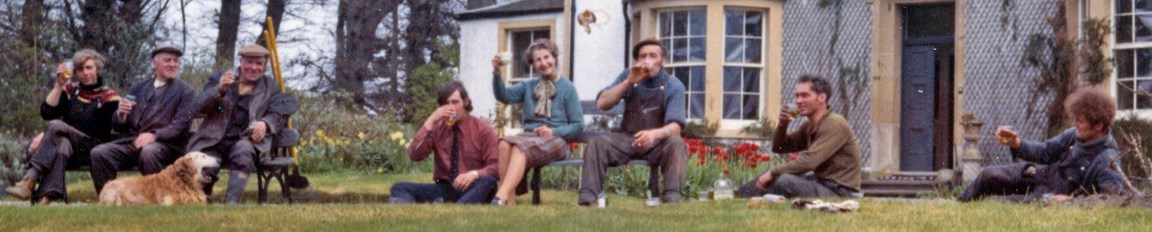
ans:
x=242 y=114
x=152 y=121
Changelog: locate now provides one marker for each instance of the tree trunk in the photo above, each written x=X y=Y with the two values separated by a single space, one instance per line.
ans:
x=226 y=36
x=360 y=20
x=276 y=11
x=30 y=30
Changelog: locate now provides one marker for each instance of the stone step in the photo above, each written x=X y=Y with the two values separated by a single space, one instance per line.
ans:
x=904 y=184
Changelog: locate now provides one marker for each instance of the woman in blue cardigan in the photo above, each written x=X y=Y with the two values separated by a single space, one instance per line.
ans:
x=552 y=116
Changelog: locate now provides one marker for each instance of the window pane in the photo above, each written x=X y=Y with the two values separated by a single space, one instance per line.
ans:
x=732 y=103
x=752 y=80
x=540 y=35
x=1124 y=64
x=753 y=24
x=751 y=106
x=1144 y=94
x=1143 y=6
x=682 y=74
x=696 y=49
x=734 y=50
x=1144 y=28
x=1124 y=96
x=681 y=52
x=696 y=105
x=667 y=46
x=1123 y=6
x=752 y=54
x=696 y=22
x=520 y=42
x=732 y=79
x=1143 y=62
x=1123 y=29
x=733 y=22
x=680 y=23
x=665 y=25
x=697 y=79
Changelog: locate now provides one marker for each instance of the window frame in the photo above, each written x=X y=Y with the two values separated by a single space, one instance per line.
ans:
x=1132 y=46
x=689 y=63
x=516 y=55
x=762 y=65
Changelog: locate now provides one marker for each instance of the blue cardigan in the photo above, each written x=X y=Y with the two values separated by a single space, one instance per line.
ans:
x=567 y=119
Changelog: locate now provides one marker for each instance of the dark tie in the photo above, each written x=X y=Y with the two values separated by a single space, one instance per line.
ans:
x=455 y=153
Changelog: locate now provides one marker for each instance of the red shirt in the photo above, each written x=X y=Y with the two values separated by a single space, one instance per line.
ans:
x=477 y=148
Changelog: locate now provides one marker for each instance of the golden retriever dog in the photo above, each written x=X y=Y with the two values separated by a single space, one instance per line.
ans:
x=179 y=183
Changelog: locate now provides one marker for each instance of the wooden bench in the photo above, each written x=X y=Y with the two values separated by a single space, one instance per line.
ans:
x=275 y=166
x=589 y=108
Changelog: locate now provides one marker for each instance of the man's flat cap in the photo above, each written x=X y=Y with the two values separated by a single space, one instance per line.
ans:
x=167 y=49
x=254 y=50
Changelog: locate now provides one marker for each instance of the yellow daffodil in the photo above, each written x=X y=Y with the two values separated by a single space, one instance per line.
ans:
x=396 y=136
x=379 y=170
x=319 y=133
x=360 y=135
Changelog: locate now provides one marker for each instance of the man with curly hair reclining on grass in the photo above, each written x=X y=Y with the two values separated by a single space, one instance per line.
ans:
x=1079 y=161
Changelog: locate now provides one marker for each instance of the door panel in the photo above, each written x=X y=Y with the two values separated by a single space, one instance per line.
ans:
x=917 y=107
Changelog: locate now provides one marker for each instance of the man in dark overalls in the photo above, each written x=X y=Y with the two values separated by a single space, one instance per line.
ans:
x=653 y=115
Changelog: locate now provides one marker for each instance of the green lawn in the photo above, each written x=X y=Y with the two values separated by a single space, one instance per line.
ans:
x=354 y=201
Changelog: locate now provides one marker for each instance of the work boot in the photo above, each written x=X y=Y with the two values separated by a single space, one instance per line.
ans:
x=235 y=192
x=23 y=189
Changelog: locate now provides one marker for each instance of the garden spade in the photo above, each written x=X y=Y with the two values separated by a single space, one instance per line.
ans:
x=294 y=180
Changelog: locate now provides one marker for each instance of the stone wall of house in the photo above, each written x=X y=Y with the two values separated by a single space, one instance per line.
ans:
x=997 y=84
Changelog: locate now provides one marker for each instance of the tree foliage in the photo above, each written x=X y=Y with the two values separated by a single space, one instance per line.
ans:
x=381 y=44
x=36 y=35
x=426 y=80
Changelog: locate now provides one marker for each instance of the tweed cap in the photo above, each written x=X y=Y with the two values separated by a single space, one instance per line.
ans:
x=167 y=49
x=254 y=50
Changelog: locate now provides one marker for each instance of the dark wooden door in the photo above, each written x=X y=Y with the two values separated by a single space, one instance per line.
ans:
x=917 y=107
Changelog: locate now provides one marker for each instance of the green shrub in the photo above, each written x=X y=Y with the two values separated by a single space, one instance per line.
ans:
x=12 y=157
x=21 y=97
x=336 y=135
x=699 y=129
x=762 y=128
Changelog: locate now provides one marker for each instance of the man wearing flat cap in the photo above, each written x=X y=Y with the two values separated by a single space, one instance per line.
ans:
x=241 y=117
x=152 y=122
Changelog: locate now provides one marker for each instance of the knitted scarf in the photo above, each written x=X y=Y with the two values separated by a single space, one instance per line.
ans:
x=544 y=91
x=92 y=93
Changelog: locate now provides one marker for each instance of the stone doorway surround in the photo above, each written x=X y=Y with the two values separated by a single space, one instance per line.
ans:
x=887 y=42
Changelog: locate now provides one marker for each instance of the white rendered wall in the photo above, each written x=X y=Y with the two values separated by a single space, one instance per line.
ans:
x=478 y=43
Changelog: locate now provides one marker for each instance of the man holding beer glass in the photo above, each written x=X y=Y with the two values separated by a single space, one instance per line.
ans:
x=1079 y=161
x=464 y=167
x=152 y=121
x=80 y=117
x=827 y=145
x=242 y=112
x=653 y=116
